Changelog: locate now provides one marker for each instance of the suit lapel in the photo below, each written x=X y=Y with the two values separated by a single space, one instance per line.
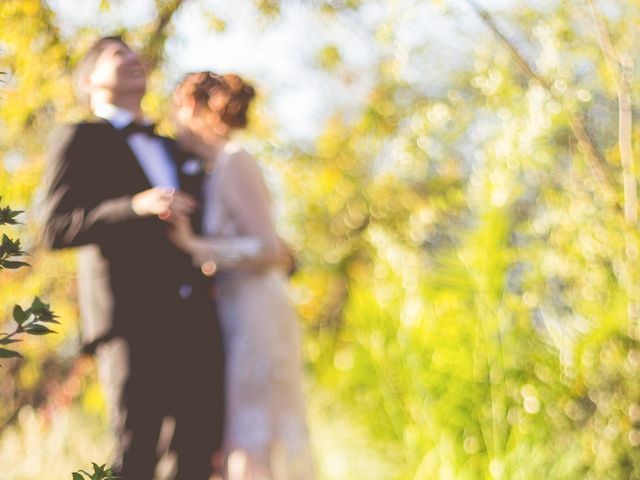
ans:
x=127 y=174
x=120 y=163
x=190 y=178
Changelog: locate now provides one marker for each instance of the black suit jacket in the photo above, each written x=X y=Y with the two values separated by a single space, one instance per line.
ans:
x=130 y=275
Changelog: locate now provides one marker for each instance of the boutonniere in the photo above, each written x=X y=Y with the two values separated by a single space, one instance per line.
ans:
x=192 y=166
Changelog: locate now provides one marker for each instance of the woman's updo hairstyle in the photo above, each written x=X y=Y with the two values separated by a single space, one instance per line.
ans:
x=226 y=96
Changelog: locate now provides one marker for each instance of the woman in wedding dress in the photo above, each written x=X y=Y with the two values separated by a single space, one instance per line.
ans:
x=266 y=433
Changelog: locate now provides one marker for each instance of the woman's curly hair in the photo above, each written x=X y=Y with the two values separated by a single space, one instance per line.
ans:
x=227 y=96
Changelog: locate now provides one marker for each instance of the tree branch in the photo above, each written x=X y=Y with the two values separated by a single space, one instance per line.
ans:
x=621 y=71
x=621 y=68
x=596 y=161
x=52 y=30
x=155 y=46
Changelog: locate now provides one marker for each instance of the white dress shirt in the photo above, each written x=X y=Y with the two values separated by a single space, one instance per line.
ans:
x=150 y=151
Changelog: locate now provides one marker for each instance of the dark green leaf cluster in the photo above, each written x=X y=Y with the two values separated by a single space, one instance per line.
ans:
x=9 y=247
x=100 y=472
x=8 y=216
x=32 y=321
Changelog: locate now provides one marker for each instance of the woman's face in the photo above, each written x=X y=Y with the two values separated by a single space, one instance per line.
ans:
x=194 y=123
x=182 y=117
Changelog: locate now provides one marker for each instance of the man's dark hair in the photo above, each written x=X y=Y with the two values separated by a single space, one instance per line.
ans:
x=88 y=62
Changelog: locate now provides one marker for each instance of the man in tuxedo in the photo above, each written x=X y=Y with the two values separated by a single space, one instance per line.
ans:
x=112 y=184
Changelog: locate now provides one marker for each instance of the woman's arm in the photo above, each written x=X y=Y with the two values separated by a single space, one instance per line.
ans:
x=257 y=246
x=226 y=253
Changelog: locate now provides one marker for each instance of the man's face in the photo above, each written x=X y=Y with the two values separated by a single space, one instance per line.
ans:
x=119 y=70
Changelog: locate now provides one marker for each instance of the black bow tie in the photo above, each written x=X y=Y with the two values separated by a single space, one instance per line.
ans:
x=134 y=127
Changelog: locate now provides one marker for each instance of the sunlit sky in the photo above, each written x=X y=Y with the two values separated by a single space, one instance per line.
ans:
x=280 y=57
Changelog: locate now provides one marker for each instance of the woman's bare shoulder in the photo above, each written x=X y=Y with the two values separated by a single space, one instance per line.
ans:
x=236 y=158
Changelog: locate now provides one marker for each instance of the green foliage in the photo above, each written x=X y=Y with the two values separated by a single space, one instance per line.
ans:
x=8 y=216
x=9 y=247
x=100 y=472
x=33 y=320
x=469 y=295
x=467 y=281
x=329 y=57
x=216 y=23
x=270 y=8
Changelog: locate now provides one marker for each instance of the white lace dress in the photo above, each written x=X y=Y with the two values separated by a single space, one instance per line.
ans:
x=266 y=434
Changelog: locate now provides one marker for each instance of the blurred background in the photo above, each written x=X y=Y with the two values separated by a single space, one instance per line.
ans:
x=457 y=179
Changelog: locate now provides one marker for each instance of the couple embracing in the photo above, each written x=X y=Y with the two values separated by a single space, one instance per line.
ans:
x=181 y=276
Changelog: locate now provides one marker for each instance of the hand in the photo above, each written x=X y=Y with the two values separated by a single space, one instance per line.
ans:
x=286 y=259
x=180 y=232
x=163 y=202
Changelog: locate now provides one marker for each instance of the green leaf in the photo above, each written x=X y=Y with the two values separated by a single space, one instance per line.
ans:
x=52 y=319
x=216 y=23
x=100 y=472
x=10 y=248
x=36 y=329
x=19 y=315
x=329 y=57
x=38 y=305
x=269 y=8
x=7 y=216
x=77 y=476
x=13 y=265
x=4 y=353
x=42 y=311
x=9 y=341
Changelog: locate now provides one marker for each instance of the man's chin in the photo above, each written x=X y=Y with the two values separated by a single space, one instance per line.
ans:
x=140 y=87
x=133 y=89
